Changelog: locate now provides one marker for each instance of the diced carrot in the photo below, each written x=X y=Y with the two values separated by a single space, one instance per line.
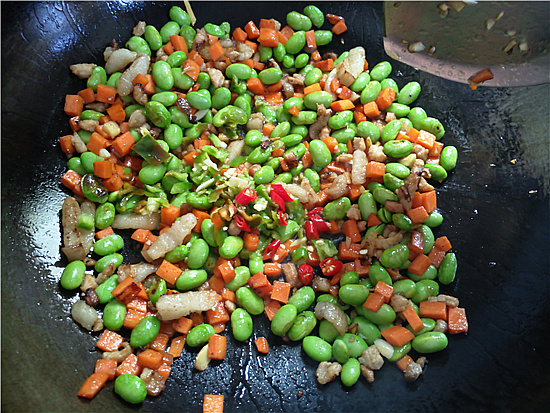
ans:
x=149 y=87
x=418 y=200
x=183 y=325
x=267 y=129
x=271 y=309
x=345 y=94
x=190 y=157
x=105 y=232
x=315 y=56
x=251 y=30
x=150 y=358
x=191 y=69
x=433 y=309
x=436 y=149
x=251 y=241
x=419 y=265
x=105 y=93
x=425 y=139
x=216 y=50
x=272 y=269
x=132 y=318
x=239 y=35
x=314 y=87
x=72 y=180
x=275 y=98
x=179 y=44
x=169 y=214
x=281 y=291
x=256 y=86
x=340 y=27
x=385 y=98
x=197 y=318
x=294 y=111
x=373 y=220
x=140 y=235
x=227 y=271
x=281 y=253
x=436 y=256
x=123 y=143
x=384 y=290
x=218 y=314
x=217 y=347
x=443 y=243
x=275 y=87
x=106 y=366
x=126 y=291
x=262 y=345
x=73 y=105
x=351 y=230
x=87 y=95
x=325 y=65
x=375 y=169
x=168 y=272
x=96 y=143
x=213 y=403
x=103 y=169
x=109 y=341
x=287 y=31
x=93 y=384
x=176 y=346
x=160 y=342
x=371 y=110
x=429 y=201
x=268 y=37
x=457 y=321
x=168 y=48
x=116 y=113
x=374 y=302
x=311 y=44
x=140 y=79
x=413 y=319
x=397 y=335
x=403 y=362
x=418 y=215
x=323 y=197
x=129 y=366
x=270 y=24
x=341 y=105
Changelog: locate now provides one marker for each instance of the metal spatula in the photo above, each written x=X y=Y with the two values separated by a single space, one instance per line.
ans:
x=456 y=39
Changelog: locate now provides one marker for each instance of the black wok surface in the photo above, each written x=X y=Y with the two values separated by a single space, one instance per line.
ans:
x=495 y=204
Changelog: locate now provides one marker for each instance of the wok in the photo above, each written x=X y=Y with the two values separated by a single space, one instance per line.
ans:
x=495 y=204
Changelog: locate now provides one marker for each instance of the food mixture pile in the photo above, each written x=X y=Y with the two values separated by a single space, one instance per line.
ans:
x=260 y=176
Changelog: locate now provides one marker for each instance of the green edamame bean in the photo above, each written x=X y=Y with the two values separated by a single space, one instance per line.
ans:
x=158 y=114
x=274 y=163
x=298 y=21
x=103 y=262
x=291 y=140
x=313 y=76
x=253 y=138
x=198 y=201
x=242 y=274
x=327 y=331
x=108 y=245
x=179 y=15
x=429 y=274
x=381 y=71
x=320 y=153
x=282 y=115
x=353 y=294
x=417 y=116
x=388 y=82
x=270 y=76
x=448 y=158
x=305 y=117
x=177 y=254
x=340 y=351
x=285 y=177
x=398 y=148
x=315 y=15
x=166 y=98
x=425 y=289
x=75 y=164
x=153 y=37
x=433 y=126
x=181 y=80
x=139 y=45
x=294 y=101
x=162 y=75
x=314 y=179
x=151 y=174
x=316 y=348
x=381 y=195
x=392 y=182
x=145 y=331
x=89 y=114
x=395 y=256
x=341 y=119
x=302 y=298
x=430 y=342
x=379 y=273
x=366 y=330
x=384 y=215
x=351 y=371
x=400 y=111
x=398 y=170
x=400 y=351
x=104 y=215
x=171 y=28
x=241 y=324
x=409 y=93
x=321 y=97
x=343 y=56
x=322 y=37
x=198 y=253
x=231 y=247
x=437 y=172
x=429 y=238
x=435 y=219
x=156 y=290
x=279 y=52
x=190 y=279
x=350 y=277
x=188 y=33
x=336 y=210
x=384 y=315
x=296 y=42
x=282 y=129
x=221 y=98
x=429 y=325
x=173 y=135
x=283 y=319
x=73 y=275
x=360 y=83
x=301 y=60
x=199 y=335
x=299 y=150
x=230 y=115
x=131 y=388
x=447 y=270
x=98 y=76
x=264 y=175
x=367 y=205
x=355 y=344
x=391 y=130
x=302 y=326
x=265 y=53
x=250 y=301
x=114 y=314
x=214 y=30
x=402 y=221
x=238 y=70
x=371 y=91
x=200 y=99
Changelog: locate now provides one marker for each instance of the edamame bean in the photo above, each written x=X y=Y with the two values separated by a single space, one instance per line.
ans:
x=320 y=153
x=214 y=30
x=341 y=119
x=417 y=115
x=190 y=279
x=241 y=324
x=400 y=351
x=351 y=371
x=366 y=329
x=447 y=270
x=104 y=290
x=200 y=99
x=250 y=301
x=353 y=294
x=409 y=93
x=89 y=114
x=316 y=348
x=315 y=15
x=302 y=326
x=355 y=344
x=162 y=75
x=391 y=130
x=428 y=323
x=296 y=42
x=381 y=71
x=340 y=351
x=231 y=247
x=395 y=256
x=75 y=164
x=166 y=98
x=102 y=263
x=435 y=219
x=151 y=174
x=158 y=114
x=301 y=60
x=305 y=117
x=145 y=331
x=402 y=221
x=400 y=111
x=238 y=70
x=350 y=277
x=153 y=37
x=292 y=140
x=179 y=15
x=384 y=315
x=379 y=273
x=242 y=274
x=321 y=97
x=177 y=254
x=388 y=82
x=108 y=245
x=199 y=334
x=398 y=148
x=448 y=158
x=181 y=80
x=270 y=76
x=429 y=274
x=371 y=91
x=282 y=129
x=360 y=82
x=327 y=331
x=336 y=210
x=437 y=172
x=314 y=179
x=368 y=129
x=313 y=76
x=231 y=115
x=98 y=76
x=113 y=315
x=73 y=275
x=429 y=238
x=264 y=175
x=198 y=253
x=131 y=388
x=433 y=126
x=381 y=195
x=323 y=37
x=302 y=298
x=104 y=215
x=425 y=289
x=279 y=52
x=398 y=170
x=139 y=45
x=198 y=201
x=430 y=342
x=298 y=21
x=283 y=319
x=221 y=98
x=367 y=205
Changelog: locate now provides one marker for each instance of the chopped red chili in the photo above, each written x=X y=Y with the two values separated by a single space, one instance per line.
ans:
x=311 y=231
x=320 y=223
x=270 y=250
x=246 y=196
x=330 y=266
x=305 y=272
x=282 y=217
x=241 y=223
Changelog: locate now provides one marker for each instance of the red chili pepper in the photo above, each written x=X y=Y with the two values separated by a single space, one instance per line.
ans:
x=306 y=273
x=246 y=196
x=241 y=223
x=314 y=211
x=278 y=200
x=311 y=231
x=271 y=249
x=330 y=266
x=282 y=217
x=281 y=191
x=320 y=223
